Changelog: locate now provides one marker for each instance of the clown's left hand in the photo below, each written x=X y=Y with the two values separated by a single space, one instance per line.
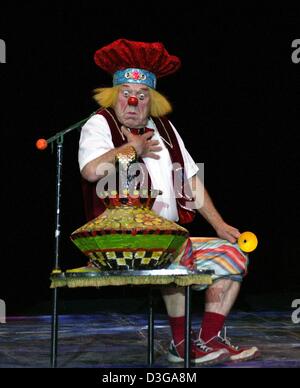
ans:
x=227 y=232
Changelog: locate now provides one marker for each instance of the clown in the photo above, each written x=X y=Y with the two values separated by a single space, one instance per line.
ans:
x=133 y=114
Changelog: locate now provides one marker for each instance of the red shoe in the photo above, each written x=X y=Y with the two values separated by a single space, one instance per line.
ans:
x=236 y=353
x=200 y=353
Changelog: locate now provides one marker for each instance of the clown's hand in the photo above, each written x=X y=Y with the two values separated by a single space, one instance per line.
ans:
x=227 y=232
x=144 y=146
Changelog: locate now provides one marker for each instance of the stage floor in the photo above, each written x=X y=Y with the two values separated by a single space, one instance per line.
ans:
x=120 y=340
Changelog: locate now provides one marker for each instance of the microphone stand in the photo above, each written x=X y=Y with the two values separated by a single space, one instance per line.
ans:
x=59 y=140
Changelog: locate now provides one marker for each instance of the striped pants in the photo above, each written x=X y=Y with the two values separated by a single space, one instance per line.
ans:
x=210 y=253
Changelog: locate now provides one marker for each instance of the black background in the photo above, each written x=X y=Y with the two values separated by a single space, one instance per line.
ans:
x=236 y=105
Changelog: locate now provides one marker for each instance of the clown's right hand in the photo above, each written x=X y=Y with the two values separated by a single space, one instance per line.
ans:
x=144 y=146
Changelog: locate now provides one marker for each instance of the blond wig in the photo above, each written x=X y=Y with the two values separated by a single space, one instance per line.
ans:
x=159 y=105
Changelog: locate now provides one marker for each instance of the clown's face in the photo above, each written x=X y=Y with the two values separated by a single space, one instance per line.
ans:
x=133 y=105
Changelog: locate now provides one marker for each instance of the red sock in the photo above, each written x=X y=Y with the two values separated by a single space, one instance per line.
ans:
x=212 y=323
x=177 y=326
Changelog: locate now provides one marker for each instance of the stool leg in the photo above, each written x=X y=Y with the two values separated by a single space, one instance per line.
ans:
x=150 y=358
x=187 y=343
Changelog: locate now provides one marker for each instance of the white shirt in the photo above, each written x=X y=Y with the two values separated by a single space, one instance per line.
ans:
x=96 y=140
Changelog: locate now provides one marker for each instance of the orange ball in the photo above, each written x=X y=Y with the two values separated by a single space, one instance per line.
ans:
x=41 y=144
x=247 y=242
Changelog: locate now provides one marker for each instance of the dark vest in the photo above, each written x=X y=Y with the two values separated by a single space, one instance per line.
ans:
x=94 y=206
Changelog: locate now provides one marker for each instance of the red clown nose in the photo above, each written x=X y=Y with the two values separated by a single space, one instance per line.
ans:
x=133 y=101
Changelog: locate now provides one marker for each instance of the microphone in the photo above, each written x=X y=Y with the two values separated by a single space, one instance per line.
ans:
x=41 y=144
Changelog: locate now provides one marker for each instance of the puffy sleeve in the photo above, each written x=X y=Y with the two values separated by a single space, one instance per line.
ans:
x=95 y=140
